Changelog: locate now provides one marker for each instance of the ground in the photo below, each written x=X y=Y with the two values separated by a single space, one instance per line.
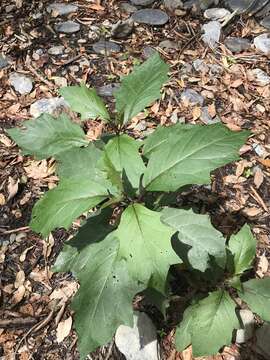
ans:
x=33 y=299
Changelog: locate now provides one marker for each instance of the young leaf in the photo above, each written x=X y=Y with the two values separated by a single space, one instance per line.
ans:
x=256 y=293
x=46 y=136
x=197 y=232
x=74 y=255
x=145 y=240
x=62 y=205
x=190 y=155
x=140 y=88
x=121 y=153
x=104 y=299
x=243 y=247
x=86 y=102
x=214 y=320
x=79 y=163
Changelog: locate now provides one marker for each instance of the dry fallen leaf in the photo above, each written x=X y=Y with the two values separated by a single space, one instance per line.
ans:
x=20 y=279
x=265 y=162
x=12 y=187
x=2 y=199
x=263 y=265
x=252 y=211
x=18 y=295
x=258 y=178
x=39 y=169
x=63 y=329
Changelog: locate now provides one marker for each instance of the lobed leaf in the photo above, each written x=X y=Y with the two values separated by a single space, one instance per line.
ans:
x=256 y=293
x=140 y=88
x=189 y=155
x=46 y=136
x=145 y=240
x=86 y=102
x=199 y=236
x=243 y=248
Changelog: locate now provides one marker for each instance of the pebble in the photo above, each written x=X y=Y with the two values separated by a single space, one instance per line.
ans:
x=94 y=33
x=152 y=17
x=122 y=29
x=102 y=47
x=56 y=50
x=239 y=5
x=248 y=322
x=237 y=45
x=211 y=33
x=262 y=43
x=47 y=106
x=260 y=76
x=107 y=90
x=216 y=13
x=139 y=342
x=3 y=62
x=200 y=65
x=266 y=22
x=148 y=51
x=168 y=45
x=21 y=83
x=61 y=8
x=60 y=81
x=191 y=96
x=128 y=8
x=173 y=5
x=68 y=27
x=142 y=2
x=215 y=69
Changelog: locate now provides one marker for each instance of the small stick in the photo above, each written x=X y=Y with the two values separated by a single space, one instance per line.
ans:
x=259 y=199
x=17 y=322
x=6 y=232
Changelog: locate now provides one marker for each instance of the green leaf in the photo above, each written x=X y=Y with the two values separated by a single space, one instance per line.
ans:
x=161 y=135
x=75 y=253
x=183 y=330
x=197 y=232
x=79 y=163
x=122 y=153
x=104 y=299
x=214 y=320
x=145 y=243
x=256 y=293
x=190 y=155
x=243 y=247
x=62 y=205
x=86 y=102
x=141 y=88
x=46 y=136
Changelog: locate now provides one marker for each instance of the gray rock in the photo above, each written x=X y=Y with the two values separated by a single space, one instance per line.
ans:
x=49 y=106
x=10 y=8
x=260 y=77
x=240 y=5
x=94 y=33
x=266 y=22
x=216 y=13
x=173 y=5
x=3 y=62
x=128 y=8
x=107 y=90
x=191 y=96
x=142 y=2
x=198 y=5
x=106 y=47
x=168 y=44
x=139 y=342
x=237 y=45
x=152 y=17
x=211 y=33
x=62 y=8
x=200 y=65
x=56 y=50
x=68 y=27
x=122 y=29
x=215 y=69
x=247 y=324
x=263 y=344
x=262 y=43
x=148 y=51
x=21 y=83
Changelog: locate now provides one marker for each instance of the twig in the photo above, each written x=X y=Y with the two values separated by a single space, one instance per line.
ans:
x=17 y=322
x=6 y=232
x=259 y=199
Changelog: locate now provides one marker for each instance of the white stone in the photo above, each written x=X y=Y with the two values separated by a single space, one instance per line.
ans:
x=260 y=76
x=139 y=342
x=47 y=106
x=262 y=43
x=21 y=83
x=216 y=14
x=211 y=33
